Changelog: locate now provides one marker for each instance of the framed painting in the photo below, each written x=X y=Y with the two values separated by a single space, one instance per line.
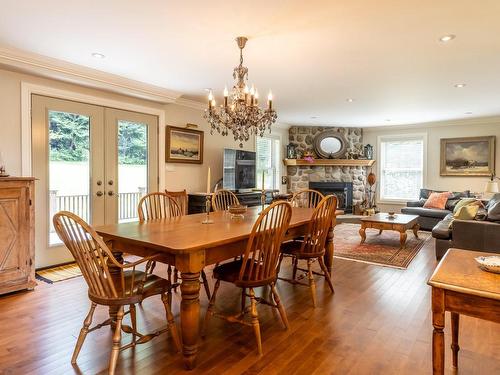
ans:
x=472 y=156
x=183 y=145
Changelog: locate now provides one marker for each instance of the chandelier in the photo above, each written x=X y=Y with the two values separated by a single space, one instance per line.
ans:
x=240 y=113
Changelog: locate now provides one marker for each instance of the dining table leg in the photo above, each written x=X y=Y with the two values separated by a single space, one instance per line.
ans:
x=438 y=320
x=190 y=317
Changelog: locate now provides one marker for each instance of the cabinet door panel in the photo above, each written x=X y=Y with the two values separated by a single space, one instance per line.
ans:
x=13 y=234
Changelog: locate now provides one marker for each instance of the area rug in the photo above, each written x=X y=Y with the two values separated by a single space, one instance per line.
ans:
x=381 y=249
x=59 y=273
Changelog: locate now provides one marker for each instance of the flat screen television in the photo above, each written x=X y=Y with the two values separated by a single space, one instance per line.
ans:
x=239 y=170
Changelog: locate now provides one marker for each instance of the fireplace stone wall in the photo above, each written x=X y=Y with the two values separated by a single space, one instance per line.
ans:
x=300 y=176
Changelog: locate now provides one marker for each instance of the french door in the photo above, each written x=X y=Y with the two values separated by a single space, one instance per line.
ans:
x=94 y=161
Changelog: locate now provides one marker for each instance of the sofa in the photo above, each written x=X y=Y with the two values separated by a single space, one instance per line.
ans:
x=429 y=217
x=479 y=235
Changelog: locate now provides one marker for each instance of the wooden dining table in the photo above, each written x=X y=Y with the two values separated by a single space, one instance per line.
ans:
x=189 y=245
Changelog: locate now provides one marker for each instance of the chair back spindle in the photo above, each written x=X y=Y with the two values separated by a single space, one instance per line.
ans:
x=261 y=258
x=307 y=198
x=222 y=199
x=157 y=206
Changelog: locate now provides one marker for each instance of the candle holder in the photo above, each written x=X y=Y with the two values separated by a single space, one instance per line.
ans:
x=262 y=199
x=208 y=206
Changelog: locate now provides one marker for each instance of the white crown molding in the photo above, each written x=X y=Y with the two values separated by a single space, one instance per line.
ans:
x=60 y=70
x=191 y=103
x=489 y=120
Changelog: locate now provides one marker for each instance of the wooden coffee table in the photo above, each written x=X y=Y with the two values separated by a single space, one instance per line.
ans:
x=460 y=287
x=399 y=223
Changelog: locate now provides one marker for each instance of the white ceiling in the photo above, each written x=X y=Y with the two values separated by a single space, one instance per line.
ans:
x=313 y=54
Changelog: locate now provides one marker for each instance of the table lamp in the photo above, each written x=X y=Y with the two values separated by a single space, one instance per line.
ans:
x=492 y=185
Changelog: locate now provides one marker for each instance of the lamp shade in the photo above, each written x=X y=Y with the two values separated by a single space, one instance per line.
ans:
x=491 y=187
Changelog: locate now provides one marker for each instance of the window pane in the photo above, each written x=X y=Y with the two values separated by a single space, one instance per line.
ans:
x=401 y=168
x=268 y=157
x=69 y=163
x=132 y=168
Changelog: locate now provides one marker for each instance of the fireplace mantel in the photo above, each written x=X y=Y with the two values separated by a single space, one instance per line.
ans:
x=330 y=162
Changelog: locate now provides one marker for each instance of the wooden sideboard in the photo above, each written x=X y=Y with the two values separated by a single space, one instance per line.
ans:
x=17 y=234
x=196 y=201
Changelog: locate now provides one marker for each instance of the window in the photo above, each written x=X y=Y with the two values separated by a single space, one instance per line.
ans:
x=268 y=159
x=401 y=166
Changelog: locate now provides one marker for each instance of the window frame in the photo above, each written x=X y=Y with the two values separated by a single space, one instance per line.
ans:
x=277 y=163
x=399 y=137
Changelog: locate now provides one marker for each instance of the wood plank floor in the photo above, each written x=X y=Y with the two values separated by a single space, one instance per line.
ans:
x=378 y=322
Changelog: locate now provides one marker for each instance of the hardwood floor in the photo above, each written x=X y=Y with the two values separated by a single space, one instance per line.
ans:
x=378 y=322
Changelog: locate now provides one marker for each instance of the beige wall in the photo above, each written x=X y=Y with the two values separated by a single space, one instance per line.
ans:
x=178 y=176
x=436 y=131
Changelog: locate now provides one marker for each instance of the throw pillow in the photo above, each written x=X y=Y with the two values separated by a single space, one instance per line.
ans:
x=465 y=202
x=467 y=212
x=494 y=208
x=437 y=200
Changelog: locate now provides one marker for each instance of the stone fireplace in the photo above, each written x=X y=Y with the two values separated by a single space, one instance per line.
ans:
x=342 y=190
x=305 y=176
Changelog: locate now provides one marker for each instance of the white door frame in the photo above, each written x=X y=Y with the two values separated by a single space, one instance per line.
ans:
x=29 y=88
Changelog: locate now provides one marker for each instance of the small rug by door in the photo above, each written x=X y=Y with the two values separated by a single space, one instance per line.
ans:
x=59 y=273
x=378 y=249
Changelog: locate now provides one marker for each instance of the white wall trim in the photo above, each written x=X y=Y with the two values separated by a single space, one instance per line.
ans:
x=27 y=89
x=423 y=136
x=436 y=124
x=191 y=103
x=48 y=67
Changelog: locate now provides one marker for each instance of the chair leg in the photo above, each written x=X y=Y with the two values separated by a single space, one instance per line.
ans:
x=255 y=320
x=166 y=299
x=169 y=274
x=312 y=284
x=210 y=308
x=133 y=319
x=295 y=262
x=327 y=274
x=83 y=332
x=243 y=299
x=205 y=283
x=280 y=306
x=117 y=337
x=176 y=278
x=279 y=262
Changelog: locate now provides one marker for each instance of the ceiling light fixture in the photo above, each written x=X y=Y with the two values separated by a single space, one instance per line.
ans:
x=460 y=85
x=98 y=55
x=388 y=120
x=240 y=113
x=350 y=100
x=314 y=117
x=468 y=113
x=447 y=38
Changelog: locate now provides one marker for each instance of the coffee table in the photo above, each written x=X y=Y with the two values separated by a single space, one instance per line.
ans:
x=399 y=223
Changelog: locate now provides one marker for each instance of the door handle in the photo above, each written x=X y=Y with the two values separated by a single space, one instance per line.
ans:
x=110 y=182
x=99 y=193
x=111 y=193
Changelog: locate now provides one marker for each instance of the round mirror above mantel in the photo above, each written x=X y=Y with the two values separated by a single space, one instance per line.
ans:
x=330 y=144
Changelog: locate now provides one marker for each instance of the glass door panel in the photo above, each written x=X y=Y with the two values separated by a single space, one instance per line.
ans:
x=132 y=168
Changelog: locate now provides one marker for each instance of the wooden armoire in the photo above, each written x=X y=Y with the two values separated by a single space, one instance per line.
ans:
x=17 y=234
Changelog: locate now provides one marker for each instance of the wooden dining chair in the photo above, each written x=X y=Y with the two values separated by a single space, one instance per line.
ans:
x=258 y=267
x=181 y=198
x=307 y=198
x=312 y=246
x=222 y=199
x=126 y=288
x=160 y=205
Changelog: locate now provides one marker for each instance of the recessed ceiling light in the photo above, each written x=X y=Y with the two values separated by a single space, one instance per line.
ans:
x=468 y=113
x=98 y=55
x=447 y=38
x=314 y=117
x=350 y=100
x=459 y=85
x=208 y=89
x=388 y=120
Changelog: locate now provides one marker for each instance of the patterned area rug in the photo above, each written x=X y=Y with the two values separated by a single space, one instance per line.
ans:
x=378 y=249
x=59 y=273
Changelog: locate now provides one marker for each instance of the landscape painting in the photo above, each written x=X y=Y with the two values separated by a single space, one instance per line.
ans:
x=184 y=145
x=472 y=156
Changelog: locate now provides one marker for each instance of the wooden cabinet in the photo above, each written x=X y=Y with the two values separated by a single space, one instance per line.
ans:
x=17 y=251
x=196 y=202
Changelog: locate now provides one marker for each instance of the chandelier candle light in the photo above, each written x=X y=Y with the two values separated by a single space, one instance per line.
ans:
x=240 y=114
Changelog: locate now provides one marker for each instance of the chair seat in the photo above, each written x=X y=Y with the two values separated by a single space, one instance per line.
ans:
x=230 y=272
x=293 y=248
x=151 y=286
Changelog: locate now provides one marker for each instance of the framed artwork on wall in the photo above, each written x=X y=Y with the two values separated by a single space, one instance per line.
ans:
x=183 y=145
x=471 y=156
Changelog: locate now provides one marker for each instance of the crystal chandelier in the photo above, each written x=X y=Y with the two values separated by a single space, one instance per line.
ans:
x=240 y=113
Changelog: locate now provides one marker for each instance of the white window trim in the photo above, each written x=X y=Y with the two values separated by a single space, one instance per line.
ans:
x=279 y=164
x=27 y=89
x=388 y=137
